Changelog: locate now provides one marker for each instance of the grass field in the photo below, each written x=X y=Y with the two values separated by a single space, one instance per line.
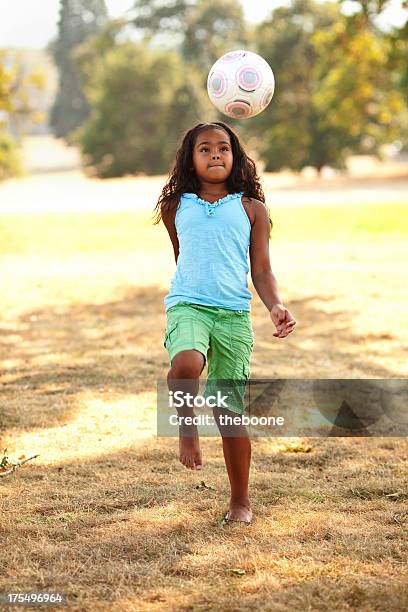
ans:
x=87 y=233
x=106 y=513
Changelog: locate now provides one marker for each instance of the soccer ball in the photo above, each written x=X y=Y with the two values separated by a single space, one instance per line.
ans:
x=241 y=84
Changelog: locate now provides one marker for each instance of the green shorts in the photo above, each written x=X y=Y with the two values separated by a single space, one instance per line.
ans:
x=224 y=337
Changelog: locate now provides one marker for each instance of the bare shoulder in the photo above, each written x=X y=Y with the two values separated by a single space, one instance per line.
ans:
x=168 y=213
x=252 y=207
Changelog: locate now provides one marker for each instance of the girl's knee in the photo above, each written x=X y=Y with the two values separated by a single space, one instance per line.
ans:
x=187 y=364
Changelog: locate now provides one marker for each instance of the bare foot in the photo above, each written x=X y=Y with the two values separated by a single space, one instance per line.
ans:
x=189 y=449
x=239 y=512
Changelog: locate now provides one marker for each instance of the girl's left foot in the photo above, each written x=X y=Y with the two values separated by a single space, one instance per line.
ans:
x=239 y=512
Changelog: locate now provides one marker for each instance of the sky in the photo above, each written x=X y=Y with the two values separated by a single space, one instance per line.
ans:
x=32 y=23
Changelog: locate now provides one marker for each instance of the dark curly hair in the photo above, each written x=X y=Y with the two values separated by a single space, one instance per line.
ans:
x=183 y=179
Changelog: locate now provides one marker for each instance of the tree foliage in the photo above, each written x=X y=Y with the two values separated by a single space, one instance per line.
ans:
x=79 y=19
x=142 y=100
x=334 y=94
x=16 y=85
x=144 y=97
x=368 y=8
x=287 y=130
x=201 y=30
x=339 y=83
x=357 y=97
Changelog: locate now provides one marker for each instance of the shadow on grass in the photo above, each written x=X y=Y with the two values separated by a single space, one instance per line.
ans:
x=53 y=355
x=104 y=530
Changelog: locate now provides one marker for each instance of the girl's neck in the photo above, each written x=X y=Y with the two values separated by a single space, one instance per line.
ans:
x=211 y=193
x=214 y=191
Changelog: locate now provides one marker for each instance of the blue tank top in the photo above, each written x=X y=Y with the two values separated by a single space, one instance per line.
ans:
x=212 y=265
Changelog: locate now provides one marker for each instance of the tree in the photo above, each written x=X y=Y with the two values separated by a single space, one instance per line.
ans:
x=368 y=8
x=334 y=95
x=79 y=19
x=285 y=133
x=213 y=28
x=356 y=101
x=142 y=100
x=124 y=83
x=367 y=11
x=202 y=30
x=16 y=84
x=152 y=17
x=398 y=67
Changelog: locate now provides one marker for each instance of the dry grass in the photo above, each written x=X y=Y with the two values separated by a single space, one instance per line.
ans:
x=106 y=513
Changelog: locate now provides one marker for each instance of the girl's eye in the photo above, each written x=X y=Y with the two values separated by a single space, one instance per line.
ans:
x=205 y=149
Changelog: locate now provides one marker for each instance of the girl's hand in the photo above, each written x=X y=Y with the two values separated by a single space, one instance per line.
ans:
x=283 y=320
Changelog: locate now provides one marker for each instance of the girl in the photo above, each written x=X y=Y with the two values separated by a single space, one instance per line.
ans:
x=213 y=207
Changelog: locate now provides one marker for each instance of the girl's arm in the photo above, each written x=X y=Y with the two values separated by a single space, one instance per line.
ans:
x=262 y=276
x=168 y=220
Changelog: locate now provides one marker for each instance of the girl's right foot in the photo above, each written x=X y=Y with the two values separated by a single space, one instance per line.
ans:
x=189 y=451
x=239 y=512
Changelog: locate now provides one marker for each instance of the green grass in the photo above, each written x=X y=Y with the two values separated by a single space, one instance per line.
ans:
x=348 y=222
x=69 y=233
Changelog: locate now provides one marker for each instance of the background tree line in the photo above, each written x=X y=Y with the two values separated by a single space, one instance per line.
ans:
x=16 y=87
x=129 y=87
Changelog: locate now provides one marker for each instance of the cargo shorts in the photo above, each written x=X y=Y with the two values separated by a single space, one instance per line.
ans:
x=224 y=337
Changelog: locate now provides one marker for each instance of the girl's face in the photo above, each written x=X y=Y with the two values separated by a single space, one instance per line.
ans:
x=212 y=156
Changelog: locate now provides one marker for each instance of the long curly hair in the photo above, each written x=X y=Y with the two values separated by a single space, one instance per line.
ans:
x=183 y=179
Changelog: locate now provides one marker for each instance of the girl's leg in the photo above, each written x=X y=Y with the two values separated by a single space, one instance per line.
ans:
x=237 y=454
x=184 y=376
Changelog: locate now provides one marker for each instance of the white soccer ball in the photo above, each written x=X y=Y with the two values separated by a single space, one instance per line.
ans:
x=241 y=84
